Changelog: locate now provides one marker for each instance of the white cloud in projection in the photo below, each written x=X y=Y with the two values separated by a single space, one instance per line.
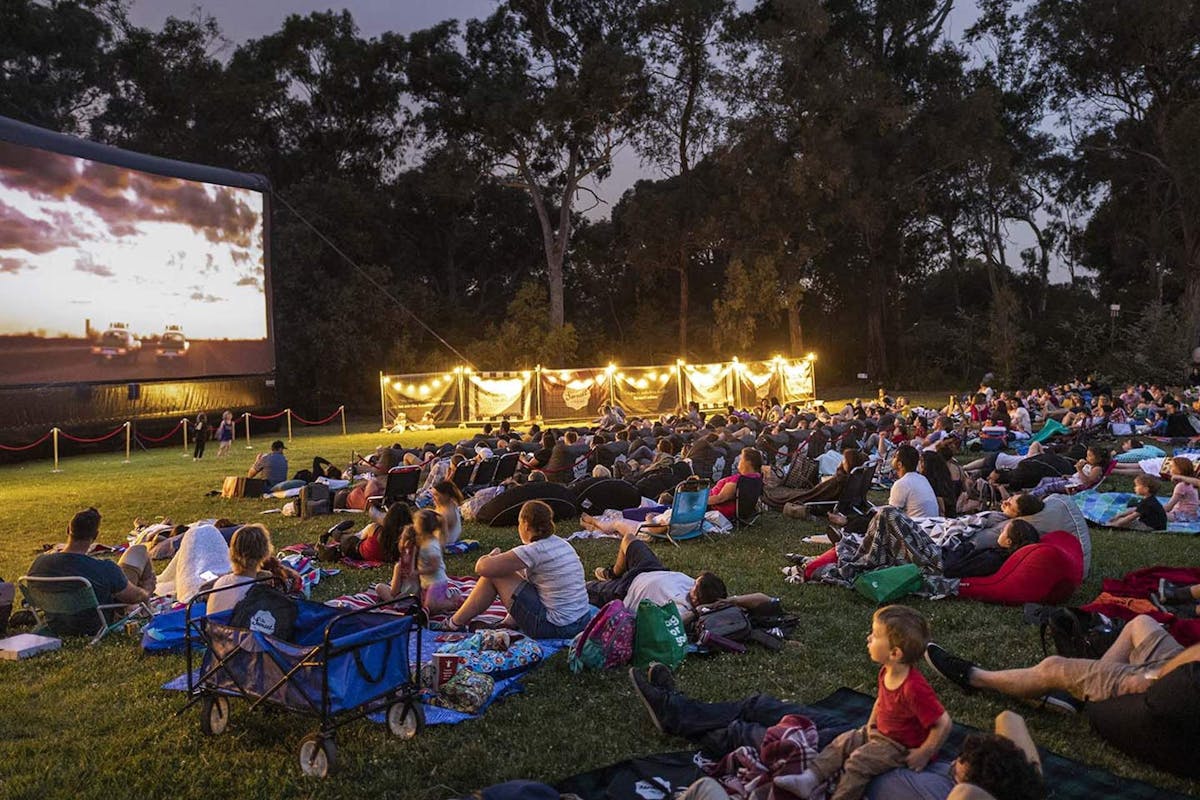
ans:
x=84 y=240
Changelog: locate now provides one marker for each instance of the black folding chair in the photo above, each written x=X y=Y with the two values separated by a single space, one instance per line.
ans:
x=506 y=467
x=747 y=492
x=401 y=486
x=853 y=499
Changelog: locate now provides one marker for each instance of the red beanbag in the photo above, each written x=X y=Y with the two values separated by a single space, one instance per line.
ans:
x=1047 y=572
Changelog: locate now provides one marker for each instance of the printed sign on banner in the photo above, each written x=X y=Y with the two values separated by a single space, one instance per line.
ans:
x=493 y=395
x=646 y=391
x=573 y=393
x=797 y=381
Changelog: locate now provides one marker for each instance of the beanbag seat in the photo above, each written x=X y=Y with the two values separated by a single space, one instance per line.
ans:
x=1047 y=572
x=605 y=493
x=1062 y=514
x=502 y=510
x=1160 y=726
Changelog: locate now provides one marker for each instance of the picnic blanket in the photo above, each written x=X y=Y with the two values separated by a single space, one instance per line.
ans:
x=1066 y=779
x=494 y=614
x=1126 y=597
x=1101 y=507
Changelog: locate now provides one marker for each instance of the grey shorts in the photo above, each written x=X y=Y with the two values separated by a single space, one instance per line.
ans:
x=1100 y=680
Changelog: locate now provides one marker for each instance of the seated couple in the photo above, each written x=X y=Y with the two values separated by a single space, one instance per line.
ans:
x=894 y=755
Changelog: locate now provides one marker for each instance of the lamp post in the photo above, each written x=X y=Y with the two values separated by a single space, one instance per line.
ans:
x=1113 y=311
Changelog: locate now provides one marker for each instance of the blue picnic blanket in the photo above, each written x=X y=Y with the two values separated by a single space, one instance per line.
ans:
x=434 y=715
x=1101 y=507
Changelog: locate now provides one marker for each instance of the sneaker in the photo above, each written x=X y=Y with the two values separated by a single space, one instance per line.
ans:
x=1062 y=702
x=951 y=667
x=659 y=675
x=650 y=695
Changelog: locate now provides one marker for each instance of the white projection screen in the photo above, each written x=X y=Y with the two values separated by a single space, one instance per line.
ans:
x=120 y=267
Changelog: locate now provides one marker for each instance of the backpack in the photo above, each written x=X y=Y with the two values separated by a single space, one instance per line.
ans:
x=1076 y=633
x=723 y=627
x=266 y=610
x=606 y=641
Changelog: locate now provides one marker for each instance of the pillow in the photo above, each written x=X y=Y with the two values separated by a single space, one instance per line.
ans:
x=1062 y=514
x=502 y=510
x=1160 y=726
x=605 y=493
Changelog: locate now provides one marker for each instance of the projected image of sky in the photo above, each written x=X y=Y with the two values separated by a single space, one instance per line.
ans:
x=81 y=240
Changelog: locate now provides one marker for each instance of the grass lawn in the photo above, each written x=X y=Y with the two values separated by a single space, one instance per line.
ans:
x=92 y=722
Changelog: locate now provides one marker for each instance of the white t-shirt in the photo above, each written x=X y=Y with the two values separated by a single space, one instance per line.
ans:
x=554 y=569
x=913 y=495
x=223 y=601
x=660 y=587
x=1020 y=420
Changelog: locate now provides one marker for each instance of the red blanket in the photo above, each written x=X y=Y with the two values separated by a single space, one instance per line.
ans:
x=1126 y=597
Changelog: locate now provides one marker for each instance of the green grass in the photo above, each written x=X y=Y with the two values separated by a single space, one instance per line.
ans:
x=92 y=722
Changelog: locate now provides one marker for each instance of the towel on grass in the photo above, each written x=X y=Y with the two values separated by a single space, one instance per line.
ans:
x=1127 y=596
x=1101 y=507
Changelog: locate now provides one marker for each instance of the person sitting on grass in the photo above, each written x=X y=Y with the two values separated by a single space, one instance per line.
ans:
x=1143 y=653
x=907 y=725
x=911 y=494
x=249 y=548
x=421 y=558
x=1089 y=471
x=1146 y=514
x=271 y=466
x=1184 y=505
x=130 y=580
x=638 y=575
x=377 y=541
x=540 y=581
x=447 y=501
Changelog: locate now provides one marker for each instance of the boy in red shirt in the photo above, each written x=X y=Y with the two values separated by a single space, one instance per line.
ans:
x=907 y=724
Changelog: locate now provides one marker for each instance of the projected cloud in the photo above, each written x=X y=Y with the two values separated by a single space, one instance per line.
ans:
x=81 y=240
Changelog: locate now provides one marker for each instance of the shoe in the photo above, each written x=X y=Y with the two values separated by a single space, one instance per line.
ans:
x=1173 y=594
x=650 y=695
x=447 y=626
x=1062 y=702
x=659 y=675
x=949 y=666
x=603 y=574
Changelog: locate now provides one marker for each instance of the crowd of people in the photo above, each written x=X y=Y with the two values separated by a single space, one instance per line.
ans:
x=952 y=516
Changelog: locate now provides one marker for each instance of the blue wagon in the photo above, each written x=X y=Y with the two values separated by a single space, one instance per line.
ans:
x=339 y=666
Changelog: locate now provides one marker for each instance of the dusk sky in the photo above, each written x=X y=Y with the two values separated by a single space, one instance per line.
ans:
x=83 y=240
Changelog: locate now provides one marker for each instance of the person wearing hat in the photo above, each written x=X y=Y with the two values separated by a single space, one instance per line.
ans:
x=271 y=467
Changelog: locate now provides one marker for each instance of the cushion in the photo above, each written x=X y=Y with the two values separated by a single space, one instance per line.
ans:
x=607 y=493
x=1047 y=572
x=1160 y=726
x=1062 y=514
x=502 y=510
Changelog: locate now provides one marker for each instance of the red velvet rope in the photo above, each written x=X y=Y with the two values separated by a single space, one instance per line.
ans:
x=85 y=440
x=299 y=418
x=269 y=416
x=168 y=435
x=27 y=446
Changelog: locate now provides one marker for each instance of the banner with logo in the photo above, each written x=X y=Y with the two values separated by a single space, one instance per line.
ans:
x=710 y=385
x=492 y=396
x=646 y=391
x=798 y=381
x=573 y=393
x=414 y=396
x=757 y=380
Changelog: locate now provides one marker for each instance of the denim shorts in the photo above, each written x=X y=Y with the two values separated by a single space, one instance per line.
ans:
x=530 y=615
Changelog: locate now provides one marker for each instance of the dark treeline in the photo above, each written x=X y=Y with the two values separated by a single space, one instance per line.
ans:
x=834 y=175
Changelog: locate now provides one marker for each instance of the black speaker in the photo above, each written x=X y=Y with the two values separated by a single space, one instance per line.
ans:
x=135 y=391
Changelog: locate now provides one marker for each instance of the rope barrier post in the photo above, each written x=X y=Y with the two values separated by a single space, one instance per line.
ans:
x=342 y=409
x=55 y=432
x=383 y=421
x=246 y=416
x=289 y=418
x=183 y=422
x=128 y=430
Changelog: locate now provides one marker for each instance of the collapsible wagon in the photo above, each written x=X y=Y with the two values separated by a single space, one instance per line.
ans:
x=337 y=665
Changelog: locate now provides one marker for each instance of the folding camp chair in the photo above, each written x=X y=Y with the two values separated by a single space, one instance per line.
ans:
x=687 y=513
x=485 y=471
x=402 y=484
x=462 y=475
x=747 y=492
x=853 y=499
x=506 y=467
x=67 y=599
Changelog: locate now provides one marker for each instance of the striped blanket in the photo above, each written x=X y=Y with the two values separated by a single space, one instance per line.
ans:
x=1101 y=507
x=495 y=613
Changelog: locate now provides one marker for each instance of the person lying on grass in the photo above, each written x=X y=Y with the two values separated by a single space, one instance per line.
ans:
x=540 y=582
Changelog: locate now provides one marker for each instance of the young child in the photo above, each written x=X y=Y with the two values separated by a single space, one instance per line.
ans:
x=248 y=549
x=447 y=498
x=907 y=724
x=1146 y=514
x=423 y=538
x=1184 y=505
x=225 y=433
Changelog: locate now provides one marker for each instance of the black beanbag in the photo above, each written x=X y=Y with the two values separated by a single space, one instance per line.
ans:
x=502 y=510
x=599 y=494
x=1160 y=726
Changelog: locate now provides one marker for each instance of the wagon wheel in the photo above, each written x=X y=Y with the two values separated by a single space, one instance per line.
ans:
x=406 y=719
x=318 y=755
x=214 y=714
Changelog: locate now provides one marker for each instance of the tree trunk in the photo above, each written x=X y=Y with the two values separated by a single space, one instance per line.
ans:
x=554 y=274
x=795 y=330
x=683 y=301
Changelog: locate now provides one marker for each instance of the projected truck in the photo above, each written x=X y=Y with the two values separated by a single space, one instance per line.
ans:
x=117 y=343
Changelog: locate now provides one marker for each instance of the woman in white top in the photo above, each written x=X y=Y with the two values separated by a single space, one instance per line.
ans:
x=540 y=582
x=249 y=548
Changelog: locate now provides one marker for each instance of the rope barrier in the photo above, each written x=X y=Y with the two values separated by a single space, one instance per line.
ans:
x=163 y=438
x=27 y=446
x=299 y=418
x=86 y=440
x=269 y=416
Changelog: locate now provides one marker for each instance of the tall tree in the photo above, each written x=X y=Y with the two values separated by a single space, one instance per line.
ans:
x=543 y=92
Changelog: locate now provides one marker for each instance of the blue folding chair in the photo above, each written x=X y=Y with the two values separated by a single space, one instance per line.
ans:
x=687 y=513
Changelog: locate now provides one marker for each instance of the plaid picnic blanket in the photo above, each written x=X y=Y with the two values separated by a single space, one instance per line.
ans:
x=495 y=613
x=1101 y=507
x=1066 y=779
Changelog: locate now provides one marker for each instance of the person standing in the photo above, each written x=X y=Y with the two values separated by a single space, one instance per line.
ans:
x=201 y=432
x=225 y=433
